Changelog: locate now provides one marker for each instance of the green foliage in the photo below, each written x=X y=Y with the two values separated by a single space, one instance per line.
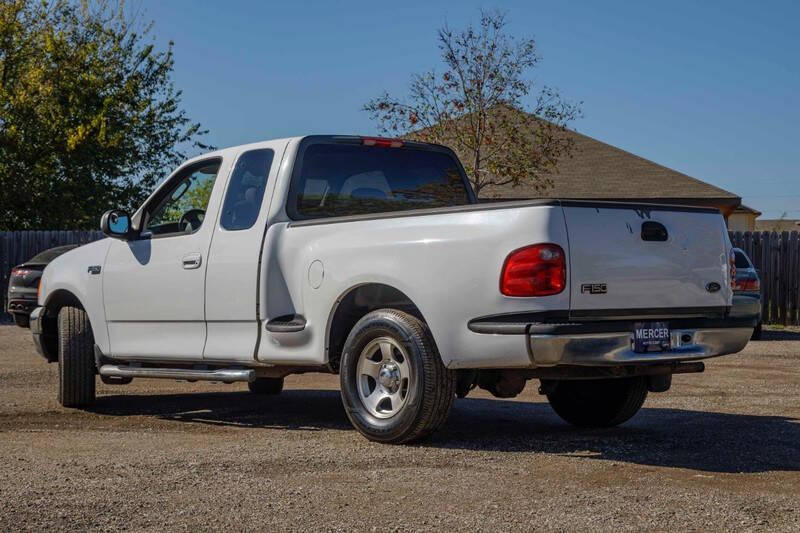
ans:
x=195 y=197
x=477 y=108
x=89 y=116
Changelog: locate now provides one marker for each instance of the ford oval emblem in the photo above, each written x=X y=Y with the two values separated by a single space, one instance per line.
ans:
x=713 y=286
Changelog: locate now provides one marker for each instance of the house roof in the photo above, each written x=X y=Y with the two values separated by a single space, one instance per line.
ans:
x=778 y=224
x=746 y=209
x=597 y=170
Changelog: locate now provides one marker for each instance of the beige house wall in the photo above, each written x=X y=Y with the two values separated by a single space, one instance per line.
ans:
x=742 y=222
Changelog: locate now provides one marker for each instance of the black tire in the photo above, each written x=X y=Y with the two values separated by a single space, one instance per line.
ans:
x=266 y=386
x=76 y=368
x=756 y=333
x=23 y=321
x=430 y=389
x=598 y=402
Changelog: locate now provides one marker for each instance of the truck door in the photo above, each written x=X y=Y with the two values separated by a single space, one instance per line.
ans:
x=231 y=287
x=153 y=286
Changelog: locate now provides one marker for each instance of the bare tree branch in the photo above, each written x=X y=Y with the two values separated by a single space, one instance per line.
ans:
x=477 y=107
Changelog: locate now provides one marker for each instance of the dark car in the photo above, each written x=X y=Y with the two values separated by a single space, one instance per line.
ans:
x=23 y=285
x=746 y=290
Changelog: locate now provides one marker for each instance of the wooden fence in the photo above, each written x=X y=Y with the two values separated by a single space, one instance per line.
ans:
x=776 y=256
x=18 y=246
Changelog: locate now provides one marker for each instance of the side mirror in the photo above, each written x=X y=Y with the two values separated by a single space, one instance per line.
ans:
x=116 y=224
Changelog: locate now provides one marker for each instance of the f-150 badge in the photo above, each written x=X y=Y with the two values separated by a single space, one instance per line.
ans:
x=594 y=288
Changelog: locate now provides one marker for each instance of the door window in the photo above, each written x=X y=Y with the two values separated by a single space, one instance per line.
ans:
x=246 y=190
x=183 y=205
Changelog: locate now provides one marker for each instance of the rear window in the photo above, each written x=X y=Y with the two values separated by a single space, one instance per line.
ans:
x=343 y=179
x=741 y=260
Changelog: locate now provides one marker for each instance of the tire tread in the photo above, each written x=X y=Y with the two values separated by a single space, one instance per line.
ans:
x=440 y=392
x=76 y=369
x=438 y=384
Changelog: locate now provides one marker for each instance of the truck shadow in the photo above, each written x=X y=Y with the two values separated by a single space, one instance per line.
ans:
x=703 y=441
x=780 y=335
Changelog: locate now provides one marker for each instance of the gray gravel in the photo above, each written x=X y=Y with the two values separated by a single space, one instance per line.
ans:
x=719 y=451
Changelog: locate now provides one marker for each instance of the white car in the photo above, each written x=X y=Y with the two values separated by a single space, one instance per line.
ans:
x=371 y=258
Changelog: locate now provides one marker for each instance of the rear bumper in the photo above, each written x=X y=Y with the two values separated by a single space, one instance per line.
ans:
x=604 y=349
x=610 y=343
x=21 y=304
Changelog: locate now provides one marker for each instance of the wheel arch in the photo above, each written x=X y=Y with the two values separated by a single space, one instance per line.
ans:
x=353 y=304
x=62 y=298
x=55 y=301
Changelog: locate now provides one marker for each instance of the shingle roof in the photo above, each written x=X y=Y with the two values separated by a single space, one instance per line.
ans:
x=598 y=170
x=747 y=209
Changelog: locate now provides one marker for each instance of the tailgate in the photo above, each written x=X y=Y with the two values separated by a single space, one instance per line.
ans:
x=652 y=260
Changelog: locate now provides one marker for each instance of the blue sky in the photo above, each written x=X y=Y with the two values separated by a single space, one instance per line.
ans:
x=708 y=88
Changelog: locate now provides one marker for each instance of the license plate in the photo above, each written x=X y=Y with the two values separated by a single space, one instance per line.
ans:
x=650 y=336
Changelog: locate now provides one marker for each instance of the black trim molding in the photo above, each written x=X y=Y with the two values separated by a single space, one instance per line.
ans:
x=642 y=208
x=421 y=212
x=604 y=321
x=286 y=324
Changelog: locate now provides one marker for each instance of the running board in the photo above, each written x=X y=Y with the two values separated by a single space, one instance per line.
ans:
x=226 y=375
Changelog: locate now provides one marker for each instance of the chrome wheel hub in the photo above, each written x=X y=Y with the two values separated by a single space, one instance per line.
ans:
x=383 y=376
x=389 y=377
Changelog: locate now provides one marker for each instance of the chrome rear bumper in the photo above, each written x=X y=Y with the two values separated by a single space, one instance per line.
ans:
x=604 y=349
x=554 y=338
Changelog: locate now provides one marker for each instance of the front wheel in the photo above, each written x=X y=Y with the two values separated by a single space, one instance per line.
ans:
x=395 y=388
x=76 y=368
x=598 y=402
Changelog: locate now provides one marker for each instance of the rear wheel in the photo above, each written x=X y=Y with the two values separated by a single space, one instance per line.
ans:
x=266 y=386
x=598 y=402
x=756 y=333
x=76 y=368
x=395 y=388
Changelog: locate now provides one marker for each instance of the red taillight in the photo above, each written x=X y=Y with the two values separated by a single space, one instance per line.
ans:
x=747 y=285
x=732 y=269
x=538 y=270
x=381 y=142
x=20 y=271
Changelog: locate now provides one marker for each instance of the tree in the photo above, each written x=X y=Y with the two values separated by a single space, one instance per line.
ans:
x=477 y=108
x=89 y=116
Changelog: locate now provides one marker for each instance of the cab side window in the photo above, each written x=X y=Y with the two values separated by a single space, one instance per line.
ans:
x=246 y=190
x=183 y=205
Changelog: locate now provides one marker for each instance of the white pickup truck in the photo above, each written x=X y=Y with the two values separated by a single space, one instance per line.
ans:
x=371 y=258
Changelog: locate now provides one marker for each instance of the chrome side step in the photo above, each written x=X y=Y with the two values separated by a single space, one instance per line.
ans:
x=226 y=375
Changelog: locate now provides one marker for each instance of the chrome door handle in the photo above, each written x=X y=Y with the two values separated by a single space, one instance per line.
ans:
x=192 y=261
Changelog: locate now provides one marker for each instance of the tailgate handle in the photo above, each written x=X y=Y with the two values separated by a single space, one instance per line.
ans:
x=654 y=231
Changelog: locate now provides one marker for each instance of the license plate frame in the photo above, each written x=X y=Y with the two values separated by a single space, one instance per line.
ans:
x=651 y=336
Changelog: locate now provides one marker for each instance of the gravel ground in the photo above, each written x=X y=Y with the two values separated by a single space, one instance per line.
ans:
x=720 y=451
